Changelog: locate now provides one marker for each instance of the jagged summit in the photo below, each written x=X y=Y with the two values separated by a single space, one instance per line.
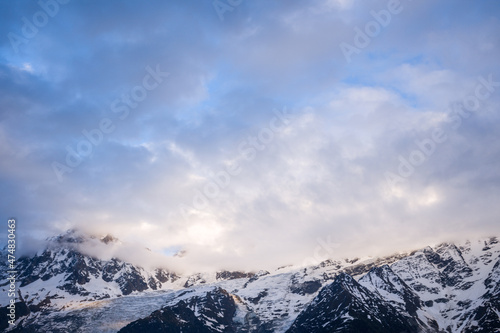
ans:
x=347 y=306
x=77 y=236
x=109 y=239
x=63 y=273
x=71 y=236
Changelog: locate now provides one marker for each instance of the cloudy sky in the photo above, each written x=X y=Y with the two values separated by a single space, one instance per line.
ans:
x=251 y=133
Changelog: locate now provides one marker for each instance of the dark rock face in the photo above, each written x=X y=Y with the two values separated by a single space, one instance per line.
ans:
x=306 y=287
x=255 y=277
x=347 y=306
x=383 y=279
x=175 y=319
x=164 y=276
x=226 y=275
x=193 y=280
x=485 y=317
x=359 y=268
x=131 y=280
x=79 y=269
x=110 y=269
x=448 y=258
x=256 y=300
x=211 y=313
x=108 y=239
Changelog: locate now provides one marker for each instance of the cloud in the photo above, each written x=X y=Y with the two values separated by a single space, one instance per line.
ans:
x=321 y=176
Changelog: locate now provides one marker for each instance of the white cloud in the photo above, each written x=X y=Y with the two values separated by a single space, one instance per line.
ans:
x=323 y=175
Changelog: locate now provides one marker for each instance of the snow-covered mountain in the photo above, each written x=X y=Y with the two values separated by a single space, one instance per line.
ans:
x=62 y=272
x=445 y=288
x=347 y=306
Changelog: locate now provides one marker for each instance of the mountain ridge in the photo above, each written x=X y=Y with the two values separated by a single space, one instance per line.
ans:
x=448 y=287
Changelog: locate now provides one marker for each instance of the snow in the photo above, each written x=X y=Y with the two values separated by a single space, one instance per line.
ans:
x=274 y=290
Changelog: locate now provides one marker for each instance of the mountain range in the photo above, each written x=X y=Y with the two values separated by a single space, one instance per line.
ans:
x=450 y=287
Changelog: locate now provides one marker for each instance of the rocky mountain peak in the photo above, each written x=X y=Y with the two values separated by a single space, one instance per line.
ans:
x=444 y=288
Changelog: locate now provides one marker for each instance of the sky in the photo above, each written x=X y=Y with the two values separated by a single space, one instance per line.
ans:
x=251 y=134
